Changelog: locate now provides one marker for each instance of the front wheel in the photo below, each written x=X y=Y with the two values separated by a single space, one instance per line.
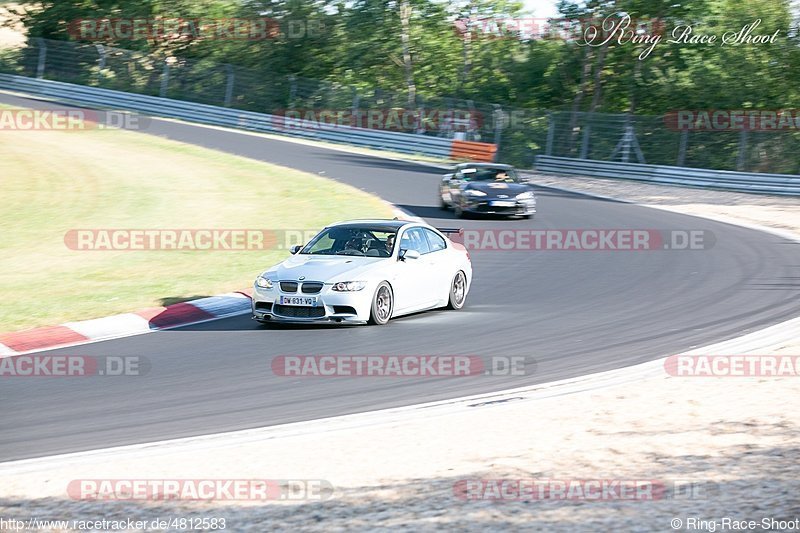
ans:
x=382 y=305
x=458 y=291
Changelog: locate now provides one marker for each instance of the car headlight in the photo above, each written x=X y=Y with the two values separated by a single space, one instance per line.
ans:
x=349 y=286
x=525 y=196
x=263 y=282
x=474 y=192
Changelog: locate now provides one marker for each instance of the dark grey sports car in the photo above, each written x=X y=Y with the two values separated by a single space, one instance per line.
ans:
x=486 y=188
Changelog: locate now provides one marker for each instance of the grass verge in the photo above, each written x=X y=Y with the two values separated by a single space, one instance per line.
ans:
x=56 y=181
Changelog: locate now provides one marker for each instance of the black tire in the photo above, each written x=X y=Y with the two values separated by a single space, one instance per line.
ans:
x=457 y=211
x=381 y=310
x=458 y=291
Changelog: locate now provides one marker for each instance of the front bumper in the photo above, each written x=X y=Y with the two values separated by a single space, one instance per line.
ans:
x=490 y=207
x=331 y=307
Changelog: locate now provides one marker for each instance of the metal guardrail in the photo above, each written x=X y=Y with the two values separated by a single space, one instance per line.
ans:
x=781 y=184
x=519 y=134
x=220 y=116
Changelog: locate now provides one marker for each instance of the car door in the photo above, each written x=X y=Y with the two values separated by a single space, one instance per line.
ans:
x=413 y=285
x=439 y=263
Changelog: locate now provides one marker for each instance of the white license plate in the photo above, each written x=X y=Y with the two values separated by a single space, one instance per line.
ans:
x=503 y=203
x=299 y=300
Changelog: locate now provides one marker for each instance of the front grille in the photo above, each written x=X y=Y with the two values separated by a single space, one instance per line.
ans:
x=289 y=286
x=496 y=209
x=263 y=306
x=311 y=287
x=291 y=311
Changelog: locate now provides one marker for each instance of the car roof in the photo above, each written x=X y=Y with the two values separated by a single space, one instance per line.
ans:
x=388 y=224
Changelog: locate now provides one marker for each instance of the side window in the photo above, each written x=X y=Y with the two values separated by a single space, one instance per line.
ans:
x=414 y=239
x=435 y=241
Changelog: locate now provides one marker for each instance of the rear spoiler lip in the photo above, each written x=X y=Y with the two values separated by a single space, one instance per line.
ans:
x=450 y=230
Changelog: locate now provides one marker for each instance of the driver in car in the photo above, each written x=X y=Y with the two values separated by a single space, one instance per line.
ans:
x=390 y=243
x=354 y=244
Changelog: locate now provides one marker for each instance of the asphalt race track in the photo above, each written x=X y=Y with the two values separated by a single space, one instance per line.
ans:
x=574 y=312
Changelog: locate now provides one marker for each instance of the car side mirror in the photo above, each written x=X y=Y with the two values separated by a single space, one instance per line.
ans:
x=294 y=249
x=408 y=254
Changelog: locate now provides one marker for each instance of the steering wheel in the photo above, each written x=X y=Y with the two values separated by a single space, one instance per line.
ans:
x=350 y=251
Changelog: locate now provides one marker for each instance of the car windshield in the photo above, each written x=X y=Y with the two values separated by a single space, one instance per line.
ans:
x=490 y=174
x=352 y=240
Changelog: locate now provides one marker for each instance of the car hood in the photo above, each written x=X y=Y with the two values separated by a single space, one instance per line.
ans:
x=323 y=268
x=494 y=189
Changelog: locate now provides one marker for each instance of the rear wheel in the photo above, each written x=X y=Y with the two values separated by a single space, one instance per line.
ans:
x=459 y=213
x=382 y=305
x=458 y=291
